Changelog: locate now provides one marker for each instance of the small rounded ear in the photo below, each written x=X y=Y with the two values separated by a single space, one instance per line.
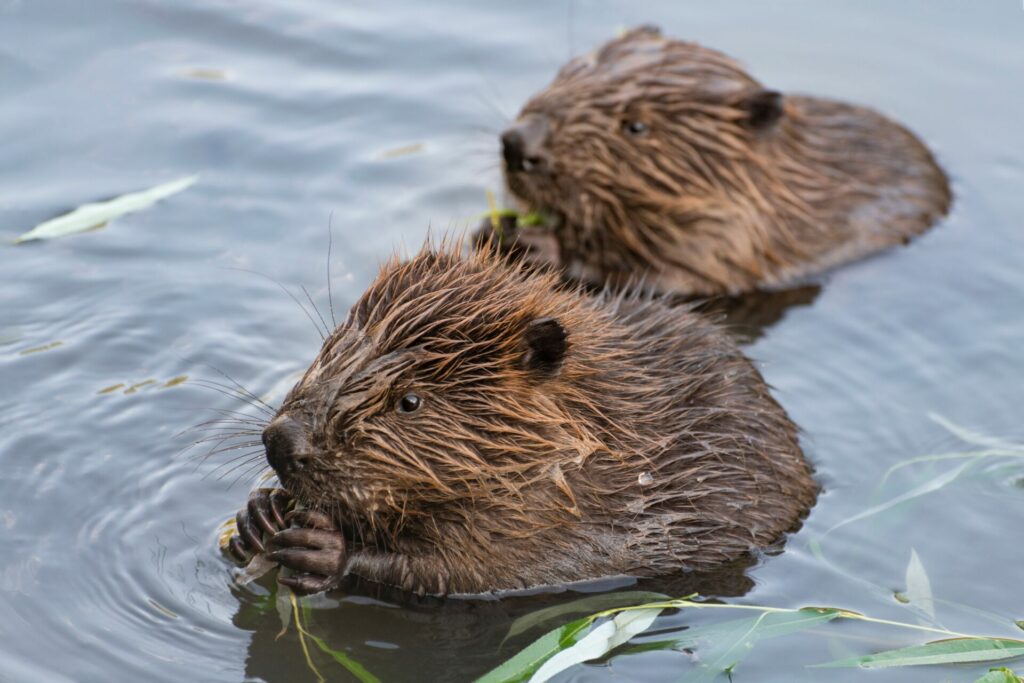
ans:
x=546 y=344
x=764 y=109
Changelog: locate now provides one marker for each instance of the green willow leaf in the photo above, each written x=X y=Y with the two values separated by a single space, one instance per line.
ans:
x=1000 y=675
x=598 y=642
x=94 y=216
x=353 y=667
x=951 y=651
x=527 y=661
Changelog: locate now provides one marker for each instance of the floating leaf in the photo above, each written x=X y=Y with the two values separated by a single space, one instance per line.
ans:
x=522 y=665
x=598 y=642
x=161 y=609
x=138 y=385
x=919 y=588
x=402 y=151
x=206 y=74
x=44 y=347
x=951 y=651
x=94 y=216
x=592 y=603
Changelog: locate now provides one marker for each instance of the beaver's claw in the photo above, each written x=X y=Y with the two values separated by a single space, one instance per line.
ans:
x=264 y=515
x=314 y=549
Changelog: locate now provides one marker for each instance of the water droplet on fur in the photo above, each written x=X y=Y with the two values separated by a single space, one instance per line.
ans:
x=645 y=479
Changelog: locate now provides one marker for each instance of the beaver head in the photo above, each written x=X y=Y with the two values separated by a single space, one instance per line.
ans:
x=472 y=426
x=665 y=160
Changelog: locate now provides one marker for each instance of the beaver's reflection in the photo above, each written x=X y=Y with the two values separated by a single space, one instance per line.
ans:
x=400 y=637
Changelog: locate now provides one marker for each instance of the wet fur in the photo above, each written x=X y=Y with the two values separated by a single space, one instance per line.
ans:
x=724 y=193
x=652 y=446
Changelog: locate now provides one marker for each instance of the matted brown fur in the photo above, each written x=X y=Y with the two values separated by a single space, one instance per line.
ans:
x=665 y=159
x=651 y=446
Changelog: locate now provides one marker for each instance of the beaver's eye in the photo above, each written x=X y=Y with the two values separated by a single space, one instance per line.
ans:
x=634 y=128
x=409 y=403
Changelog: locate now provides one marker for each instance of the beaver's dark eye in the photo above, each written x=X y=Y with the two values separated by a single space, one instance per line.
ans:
x=634 y=128
x=409 y=403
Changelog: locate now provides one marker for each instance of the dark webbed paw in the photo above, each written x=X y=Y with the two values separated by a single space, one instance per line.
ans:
x=264 y=515
x=314 y=549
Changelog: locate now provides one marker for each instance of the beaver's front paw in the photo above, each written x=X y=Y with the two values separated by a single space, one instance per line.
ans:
x=314 y=549
x=262 y=516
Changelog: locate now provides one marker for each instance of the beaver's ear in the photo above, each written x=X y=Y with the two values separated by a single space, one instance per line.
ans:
x=764 y=109
x=546 y=344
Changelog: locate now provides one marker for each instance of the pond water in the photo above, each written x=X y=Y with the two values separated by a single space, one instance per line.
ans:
x=381 y=121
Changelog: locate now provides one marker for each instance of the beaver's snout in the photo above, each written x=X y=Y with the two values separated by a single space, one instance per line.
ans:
x=523 y=145
x=285 y=442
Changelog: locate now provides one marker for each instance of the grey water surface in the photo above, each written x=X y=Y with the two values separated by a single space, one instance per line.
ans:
x=381 y=120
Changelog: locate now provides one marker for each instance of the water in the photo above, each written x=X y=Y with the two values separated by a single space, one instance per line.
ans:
x=381 y=121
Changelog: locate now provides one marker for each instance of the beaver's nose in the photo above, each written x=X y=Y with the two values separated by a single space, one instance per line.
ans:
x=286 y=446
x=523 y=144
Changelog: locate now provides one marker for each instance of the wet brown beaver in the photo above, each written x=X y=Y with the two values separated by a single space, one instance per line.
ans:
x=474 y=426
x=664 y=160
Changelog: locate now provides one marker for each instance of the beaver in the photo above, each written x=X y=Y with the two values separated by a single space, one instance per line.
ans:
x=664 y=160
x=476 y=426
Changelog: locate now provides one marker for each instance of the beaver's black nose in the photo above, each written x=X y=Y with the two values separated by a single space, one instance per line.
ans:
x=285 y=442
x=522 y=145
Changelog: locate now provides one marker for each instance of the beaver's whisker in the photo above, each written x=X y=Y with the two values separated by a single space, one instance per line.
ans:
x=250 y=476
x=234 y=463
x=217 y=450
x=289 y=293
x=330 y=245
x=254 y=426
x=270 y=409
x=244 y=473
x=227 y=436
x=236 y=393
x=316 y=310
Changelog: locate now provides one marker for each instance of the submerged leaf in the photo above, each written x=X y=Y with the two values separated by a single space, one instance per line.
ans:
x=598 y=642
x=919 y=588
x=733 y=640
x=93 y=216
x=589 y=604
x=351 y=665
x=283 y=605
x=927 y=487
x=952 y=651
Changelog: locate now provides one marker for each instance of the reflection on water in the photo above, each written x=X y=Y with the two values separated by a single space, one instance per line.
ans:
x=383 y=122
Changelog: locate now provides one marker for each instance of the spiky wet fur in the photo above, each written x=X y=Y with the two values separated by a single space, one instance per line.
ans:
x=705 y=203
x=655 y=447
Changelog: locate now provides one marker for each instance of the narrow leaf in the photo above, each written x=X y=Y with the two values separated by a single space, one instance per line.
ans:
x=93 y=216
x=523 y=664
x=353 y=667
x=952 y=651
x=598 y=642
x=1000 y=675
x=927 y=487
